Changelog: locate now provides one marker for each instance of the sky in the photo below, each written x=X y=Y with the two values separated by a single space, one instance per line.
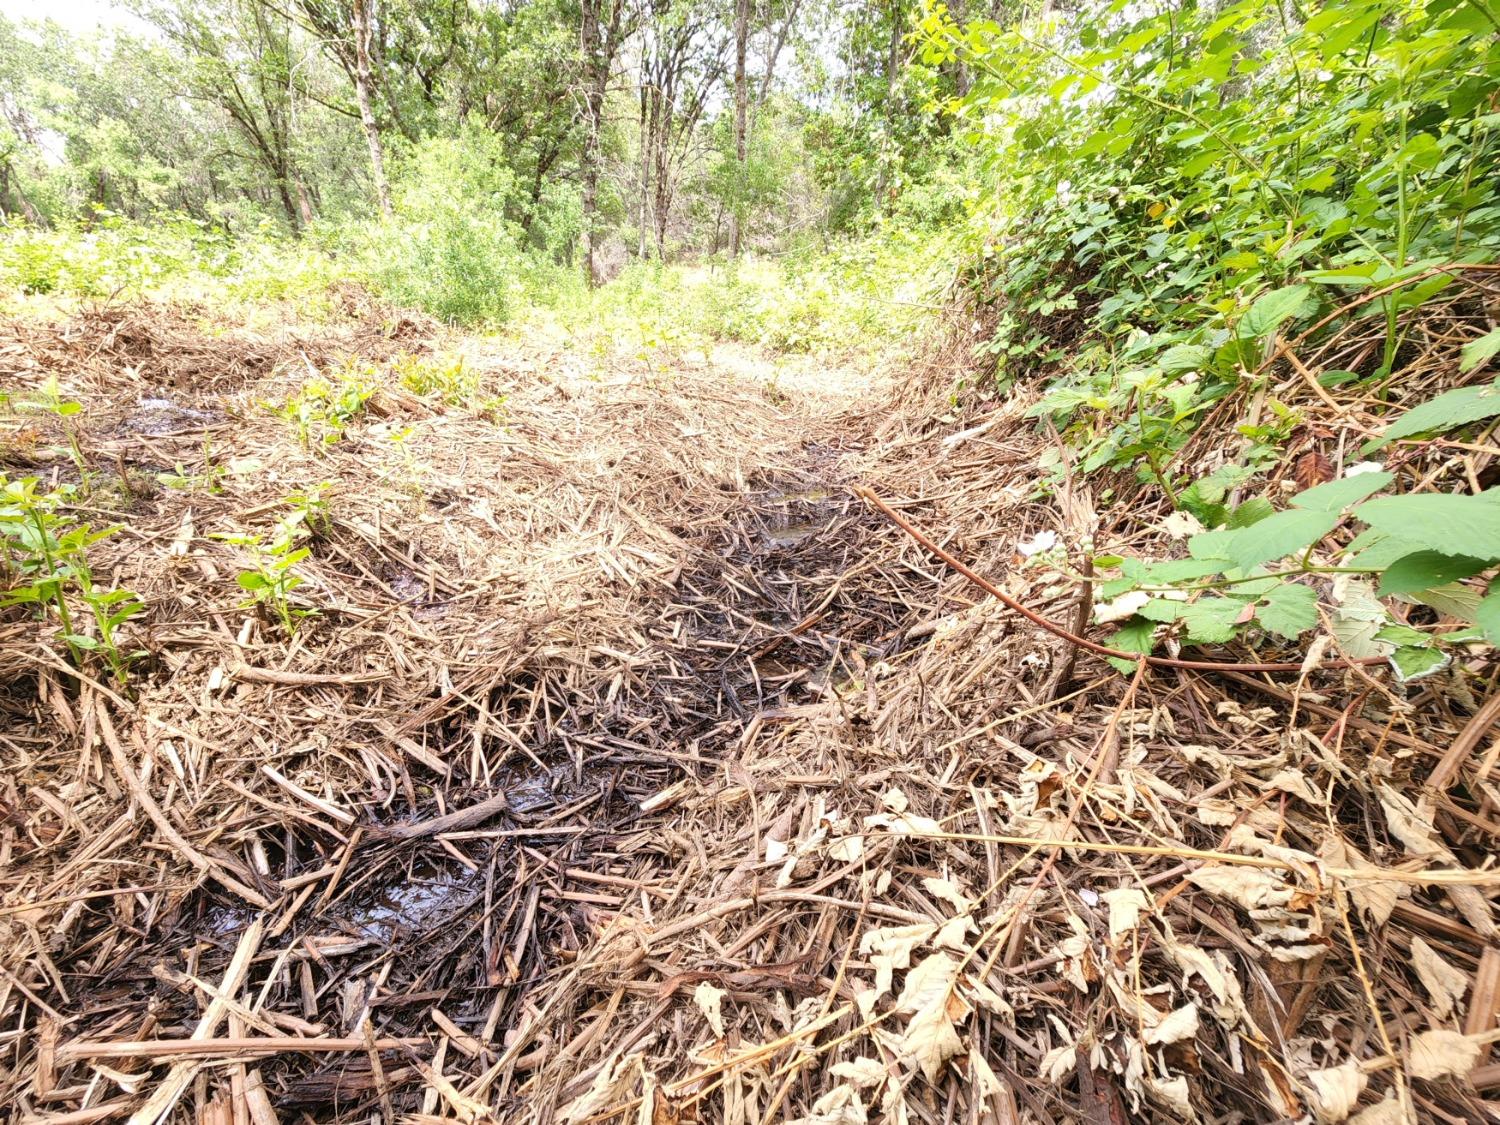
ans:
x=75 y=15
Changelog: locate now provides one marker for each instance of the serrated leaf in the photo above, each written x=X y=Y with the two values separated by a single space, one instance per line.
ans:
x=1181 y=570
x=1336 y=495
x=1289 y=610
x=1278 y=536
x=1454 y=525
x=1357 y=619
x=1488 y=618
x=1212 y=545
x=1135 y=635
x=1161 y=609
x=1477 y=351
x=1184 y=357
x=1454 y=599
x=1252 y=511
x=1273 y=309
x=1440 y=1053
x=1412 y=663
x=1446 y=412
x=1403 y=635
x=1211 y=620
x=1423 y=570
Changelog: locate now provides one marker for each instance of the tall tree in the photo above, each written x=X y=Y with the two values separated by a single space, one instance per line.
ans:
x=238 y=55
x=741 y=110
x=602 y=29
x=363 y=21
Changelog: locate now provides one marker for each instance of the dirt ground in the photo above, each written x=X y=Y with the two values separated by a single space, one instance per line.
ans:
x=628 y=765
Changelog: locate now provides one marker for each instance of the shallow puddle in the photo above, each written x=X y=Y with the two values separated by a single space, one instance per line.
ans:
x=158 y=417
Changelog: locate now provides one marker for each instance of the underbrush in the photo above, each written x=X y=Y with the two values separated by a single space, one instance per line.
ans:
x=468 y=268
x=1233 y=250
x=854 y=298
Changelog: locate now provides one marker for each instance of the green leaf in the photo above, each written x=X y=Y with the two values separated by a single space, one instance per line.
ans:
x=1184 y=357
x=1212 y=620
x=1273 y=309
x=1477 y=351
x=1414 y=663
x=1404 y=636
x=1336 y=495
x=1252 y=511
x=1181 y=570
x=1289 y=610
x=1426 y=569
x=78 y=640
x=1488 y=618
x=1356 y=622
x=1446 y=412
x=1280 y=535
x=1212 y=545
x=250 y=580
x=1162 y=609
x=1454 y=600
x=1454 y=525
x=1133 y=636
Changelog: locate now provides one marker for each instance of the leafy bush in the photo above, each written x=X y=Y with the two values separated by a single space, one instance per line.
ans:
x=450 y=249
x=1170 y=191
x=111 y=256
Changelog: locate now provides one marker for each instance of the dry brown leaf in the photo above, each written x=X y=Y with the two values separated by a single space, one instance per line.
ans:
x=839 y=1106
x=931 y=1040
x=930 y=982
x=1439 y=1053
x=1125 y=906
x=1253 y=888
x=710 y=1002
x=890 y=948
x=1058 y=1064
x=986 y=1082
x=1444 y=984
x=1313 y=468
x=611 y=1086
x=950 y=891
x=1175 y=1026
x=1173 y=1093
x=1411 y=824
x=1335 y=1090
x=862 y=1071
x=1376 y=898
x=1387 y=1111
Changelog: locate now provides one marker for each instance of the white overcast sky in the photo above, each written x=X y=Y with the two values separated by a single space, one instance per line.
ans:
x=75 y=15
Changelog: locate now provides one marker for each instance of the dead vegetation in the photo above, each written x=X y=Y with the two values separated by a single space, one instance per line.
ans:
x=632 y=769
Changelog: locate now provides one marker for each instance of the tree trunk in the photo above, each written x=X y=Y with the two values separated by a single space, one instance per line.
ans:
x=648 y=118
x=595 y=85
x=362 y=83
x=765 y=79
x=741 y=108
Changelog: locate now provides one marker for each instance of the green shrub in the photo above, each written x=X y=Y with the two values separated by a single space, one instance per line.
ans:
x=449 y=249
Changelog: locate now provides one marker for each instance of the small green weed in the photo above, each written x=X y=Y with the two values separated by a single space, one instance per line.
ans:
x=448 y=379
x=44 y=561
x=272 y=575
x=322 y=410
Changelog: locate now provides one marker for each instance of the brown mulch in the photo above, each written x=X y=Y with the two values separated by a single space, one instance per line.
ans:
x=631 y=769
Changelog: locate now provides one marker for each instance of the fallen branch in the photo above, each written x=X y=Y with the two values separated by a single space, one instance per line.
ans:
x=471 y=817
x=224 y=1048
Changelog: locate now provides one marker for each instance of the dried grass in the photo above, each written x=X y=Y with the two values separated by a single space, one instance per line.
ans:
x=795 y=825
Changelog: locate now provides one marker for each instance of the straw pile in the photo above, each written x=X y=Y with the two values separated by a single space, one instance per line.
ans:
x=633 y=769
